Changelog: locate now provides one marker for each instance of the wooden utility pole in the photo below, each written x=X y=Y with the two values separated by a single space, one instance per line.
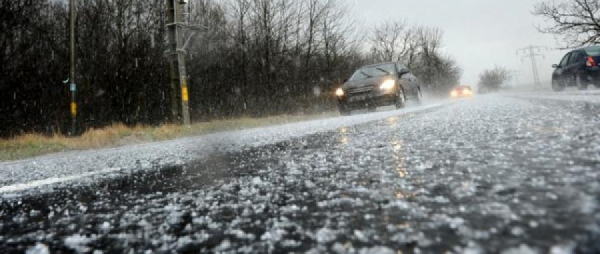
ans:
x=72 y=85
x=179 y=89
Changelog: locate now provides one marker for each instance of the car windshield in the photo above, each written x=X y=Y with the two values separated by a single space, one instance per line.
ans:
x=300 y=126
x=373 y=71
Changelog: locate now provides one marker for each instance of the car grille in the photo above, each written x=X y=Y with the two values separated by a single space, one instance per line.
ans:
x=361 y=90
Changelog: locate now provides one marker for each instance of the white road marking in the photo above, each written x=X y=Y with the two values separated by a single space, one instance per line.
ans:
x=53 y=180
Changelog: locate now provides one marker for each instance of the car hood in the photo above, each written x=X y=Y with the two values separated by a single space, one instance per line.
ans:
x=375 y=81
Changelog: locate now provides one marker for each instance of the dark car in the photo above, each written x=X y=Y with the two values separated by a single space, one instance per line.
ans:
x=577 y=68
x=378 y=85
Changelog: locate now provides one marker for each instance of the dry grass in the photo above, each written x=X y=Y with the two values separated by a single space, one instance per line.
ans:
x=32 y=144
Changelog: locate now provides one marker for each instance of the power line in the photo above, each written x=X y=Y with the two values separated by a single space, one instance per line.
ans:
x=529 y=52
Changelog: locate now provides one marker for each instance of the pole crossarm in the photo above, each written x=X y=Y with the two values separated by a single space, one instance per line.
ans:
x=529 y=52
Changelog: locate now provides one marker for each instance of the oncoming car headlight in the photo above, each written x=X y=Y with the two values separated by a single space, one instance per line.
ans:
x=454 y=94
x=339 y=92
x=388 y=85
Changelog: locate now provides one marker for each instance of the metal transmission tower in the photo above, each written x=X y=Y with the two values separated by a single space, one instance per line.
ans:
x=514 y=74
x=176 y=56
x=529 y=51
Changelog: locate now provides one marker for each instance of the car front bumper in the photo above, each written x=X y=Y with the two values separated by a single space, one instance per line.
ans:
x=358 y=101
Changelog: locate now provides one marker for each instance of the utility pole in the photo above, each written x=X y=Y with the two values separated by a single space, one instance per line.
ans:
x=529 y=52
x=179 y=89
x=73 y=86
x=515 y=76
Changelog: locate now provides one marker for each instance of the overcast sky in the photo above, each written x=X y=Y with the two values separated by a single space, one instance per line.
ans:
x=477 y=33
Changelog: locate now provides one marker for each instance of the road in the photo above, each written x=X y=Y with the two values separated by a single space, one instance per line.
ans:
x=492 y=174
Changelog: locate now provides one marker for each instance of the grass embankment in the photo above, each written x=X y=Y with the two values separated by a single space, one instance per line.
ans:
x=30 y=145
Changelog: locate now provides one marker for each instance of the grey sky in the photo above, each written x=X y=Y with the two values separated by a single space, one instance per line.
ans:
x=477 y=33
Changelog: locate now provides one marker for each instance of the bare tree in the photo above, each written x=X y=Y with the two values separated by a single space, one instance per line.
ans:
x=493 y=79
x=438 y=72
x=251 y=57
x=336 y=32
x=394 y=42
x=418 y=48
x=576 y=22
x=430 y=41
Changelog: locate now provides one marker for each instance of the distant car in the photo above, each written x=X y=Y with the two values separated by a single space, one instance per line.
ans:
x=577 y=68
x=461 y=92
x=377 y=85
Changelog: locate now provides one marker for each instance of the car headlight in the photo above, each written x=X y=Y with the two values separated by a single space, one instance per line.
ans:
x=454 y=94
x=339 y=92
x=388 y=85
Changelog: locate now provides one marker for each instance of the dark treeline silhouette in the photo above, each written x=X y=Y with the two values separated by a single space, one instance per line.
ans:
x=120 y=63
x=248 y=58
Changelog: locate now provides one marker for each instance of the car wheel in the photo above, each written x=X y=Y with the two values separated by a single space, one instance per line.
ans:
x=344 y=110
x=419 y=97
x=557 y=86
x=400 y=99
x=580 y=84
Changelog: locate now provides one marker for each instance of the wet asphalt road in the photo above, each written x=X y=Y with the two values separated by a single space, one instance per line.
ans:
x=493 y=174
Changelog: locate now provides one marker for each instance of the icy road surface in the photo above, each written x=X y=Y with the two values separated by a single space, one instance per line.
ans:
x=499 y=174
x=87 y=167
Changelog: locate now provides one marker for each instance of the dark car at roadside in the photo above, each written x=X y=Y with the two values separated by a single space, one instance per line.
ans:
x=578 y=68
x=377 y=85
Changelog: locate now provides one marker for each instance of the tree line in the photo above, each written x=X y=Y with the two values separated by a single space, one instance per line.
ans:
x=244 y=58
